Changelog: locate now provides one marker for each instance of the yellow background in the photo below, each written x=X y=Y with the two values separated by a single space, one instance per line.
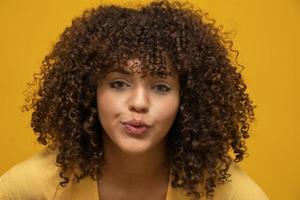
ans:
x=267 y=36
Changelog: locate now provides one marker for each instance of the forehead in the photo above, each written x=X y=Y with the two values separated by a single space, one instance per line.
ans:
x=134 y=66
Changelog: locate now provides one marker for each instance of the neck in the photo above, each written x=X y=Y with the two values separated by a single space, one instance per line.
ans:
x=138 y=169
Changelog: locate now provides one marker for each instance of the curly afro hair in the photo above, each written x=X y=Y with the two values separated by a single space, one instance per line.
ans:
x=215 y=110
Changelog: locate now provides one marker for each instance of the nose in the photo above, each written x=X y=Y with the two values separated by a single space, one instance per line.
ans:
x=139 y=101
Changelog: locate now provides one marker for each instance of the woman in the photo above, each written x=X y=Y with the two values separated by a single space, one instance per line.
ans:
x=138 y=104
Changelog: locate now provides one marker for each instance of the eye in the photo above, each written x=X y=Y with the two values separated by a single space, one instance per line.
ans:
x=117 y=84
x=163 y=88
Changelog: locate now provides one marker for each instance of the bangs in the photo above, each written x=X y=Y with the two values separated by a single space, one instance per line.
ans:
x=158 y=64
x=136 y=35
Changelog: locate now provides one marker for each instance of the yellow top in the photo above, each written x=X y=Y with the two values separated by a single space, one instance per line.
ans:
x=38 y=178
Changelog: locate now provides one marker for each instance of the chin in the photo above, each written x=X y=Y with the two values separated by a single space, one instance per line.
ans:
x=134 y=150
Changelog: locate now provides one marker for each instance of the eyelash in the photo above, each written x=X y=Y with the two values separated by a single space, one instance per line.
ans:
x=167 y=88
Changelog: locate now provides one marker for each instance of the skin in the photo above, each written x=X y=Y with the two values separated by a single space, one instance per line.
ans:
x=136 y=165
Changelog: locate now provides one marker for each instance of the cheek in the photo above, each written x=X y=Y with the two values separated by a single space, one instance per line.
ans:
x=166 y=110
x=108 y=106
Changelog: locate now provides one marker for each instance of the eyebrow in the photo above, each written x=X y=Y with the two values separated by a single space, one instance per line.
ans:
x=126 y=72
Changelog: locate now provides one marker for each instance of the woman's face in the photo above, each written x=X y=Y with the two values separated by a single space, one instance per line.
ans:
x=124 y=97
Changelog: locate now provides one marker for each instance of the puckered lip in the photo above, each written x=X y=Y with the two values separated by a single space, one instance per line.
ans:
x=137 y=123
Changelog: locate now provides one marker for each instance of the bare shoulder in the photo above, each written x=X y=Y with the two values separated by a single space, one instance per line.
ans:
x=33 y=178
x=241 y=187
